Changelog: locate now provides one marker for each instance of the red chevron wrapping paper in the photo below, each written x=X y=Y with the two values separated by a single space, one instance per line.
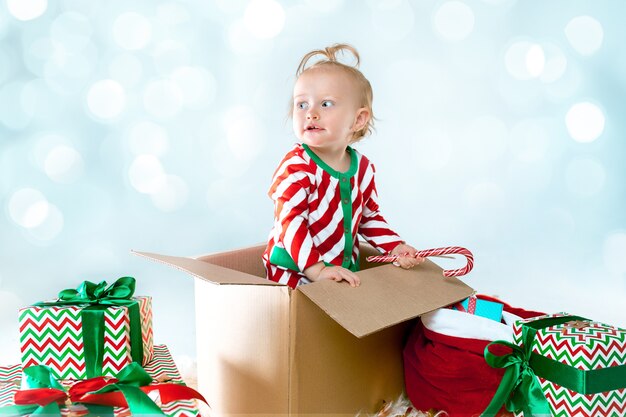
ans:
x=52 y=336
x=161 y=368
x=586 y=345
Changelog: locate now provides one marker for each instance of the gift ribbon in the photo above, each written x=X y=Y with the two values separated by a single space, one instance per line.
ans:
x=425 y=253
x=44 y=393
x=579 y=380
x=471 y=305
x=127 y=383
x=129 y=390
x=41 y=394
x=98 y=297
x=520 y=389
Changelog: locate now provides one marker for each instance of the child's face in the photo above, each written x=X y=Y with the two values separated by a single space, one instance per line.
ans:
x=326 y=110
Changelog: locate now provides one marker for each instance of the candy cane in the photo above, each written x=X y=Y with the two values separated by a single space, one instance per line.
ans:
x=435 y=252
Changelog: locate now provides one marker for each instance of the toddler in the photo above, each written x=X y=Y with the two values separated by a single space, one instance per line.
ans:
x=323 y=189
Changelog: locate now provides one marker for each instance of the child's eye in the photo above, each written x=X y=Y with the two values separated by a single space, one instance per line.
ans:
x=303 y=105
x=327 y=103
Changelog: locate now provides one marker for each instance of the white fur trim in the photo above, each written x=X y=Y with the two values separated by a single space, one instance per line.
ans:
x=460 y=324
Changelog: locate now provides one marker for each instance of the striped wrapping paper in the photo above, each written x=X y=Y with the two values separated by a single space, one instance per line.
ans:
x=586 y=345
x=162 y=369
x=52 y=336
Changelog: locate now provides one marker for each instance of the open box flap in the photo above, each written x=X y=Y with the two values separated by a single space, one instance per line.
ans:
x=207 y=271
x=387 y=295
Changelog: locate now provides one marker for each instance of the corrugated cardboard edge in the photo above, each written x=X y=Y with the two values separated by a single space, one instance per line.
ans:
x=206 y=271
x=388 y=295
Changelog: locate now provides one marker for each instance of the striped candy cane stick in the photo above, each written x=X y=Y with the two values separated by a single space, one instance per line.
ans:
x=435 y=252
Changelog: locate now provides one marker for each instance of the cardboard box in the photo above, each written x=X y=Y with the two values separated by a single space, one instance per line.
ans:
x=323 y=349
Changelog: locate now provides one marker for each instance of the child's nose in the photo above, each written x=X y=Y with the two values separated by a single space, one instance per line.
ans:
x=312 y=116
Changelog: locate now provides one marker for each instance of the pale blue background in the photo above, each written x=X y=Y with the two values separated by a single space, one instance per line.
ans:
x=156 y=125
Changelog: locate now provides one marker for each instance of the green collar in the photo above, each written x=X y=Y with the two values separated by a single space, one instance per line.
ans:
x=349 y=173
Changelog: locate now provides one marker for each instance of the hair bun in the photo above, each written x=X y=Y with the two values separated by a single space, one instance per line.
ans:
x=329 y=54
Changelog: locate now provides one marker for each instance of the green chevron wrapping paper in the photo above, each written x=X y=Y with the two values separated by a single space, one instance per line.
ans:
x=581 y=345
x=9 y=382
x=161 y=368
x=53 y=336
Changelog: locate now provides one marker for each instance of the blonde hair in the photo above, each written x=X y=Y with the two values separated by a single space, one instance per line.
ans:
x=329 y=61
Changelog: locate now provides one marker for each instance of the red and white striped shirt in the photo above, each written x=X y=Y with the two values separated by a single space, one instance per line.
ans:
x=318 y=213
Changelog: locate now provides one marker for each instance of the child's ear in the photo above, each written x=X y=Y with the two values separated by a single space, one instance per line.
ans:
x=362 y=117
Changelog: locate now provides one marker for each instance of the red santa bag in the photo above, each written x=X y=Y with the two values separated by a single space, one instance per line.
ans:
x=444 y=367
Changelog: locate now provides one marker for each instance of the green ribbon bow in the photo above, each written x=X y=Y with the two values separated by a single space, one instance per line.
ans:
x=41 y=392
x=130 y=379
x=97 y=298
x=47 y=391
x=128 y=383
x=520 y=388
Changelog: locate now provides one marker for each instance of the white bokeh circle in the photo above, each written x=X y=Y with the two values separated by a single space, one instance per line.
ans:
x=106 y=99
x=242 y=42
x=453 y=20
x=525 y=60
x=50 y=228
x=71 y=30
x=26 y=9
x=146 y=174
x=264 y=19
x=171 y=193
x=162 y=98
x=132 y=31
x=39 y=52
x=584 y=122
x=197 y=86
x=585 y=34
x=148 y=138
x=28 y=207
x=67 y=72
x=535 y=60
x=555 y=63
x=63 y=164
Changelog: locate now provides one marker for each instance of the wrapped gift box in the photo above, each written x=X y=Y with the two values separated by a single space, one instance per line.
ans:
x=566 y=348
x=162 y=369
x=53 y=336
x=481 y=307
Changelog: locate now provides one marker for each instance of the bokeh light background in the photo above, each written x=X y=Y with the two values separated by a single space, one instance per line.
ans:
x=156 y=126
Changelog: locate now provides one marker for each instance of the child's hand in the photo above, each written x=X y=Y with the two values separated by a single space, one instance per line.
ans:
x=319 y=272
x=406 y=256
